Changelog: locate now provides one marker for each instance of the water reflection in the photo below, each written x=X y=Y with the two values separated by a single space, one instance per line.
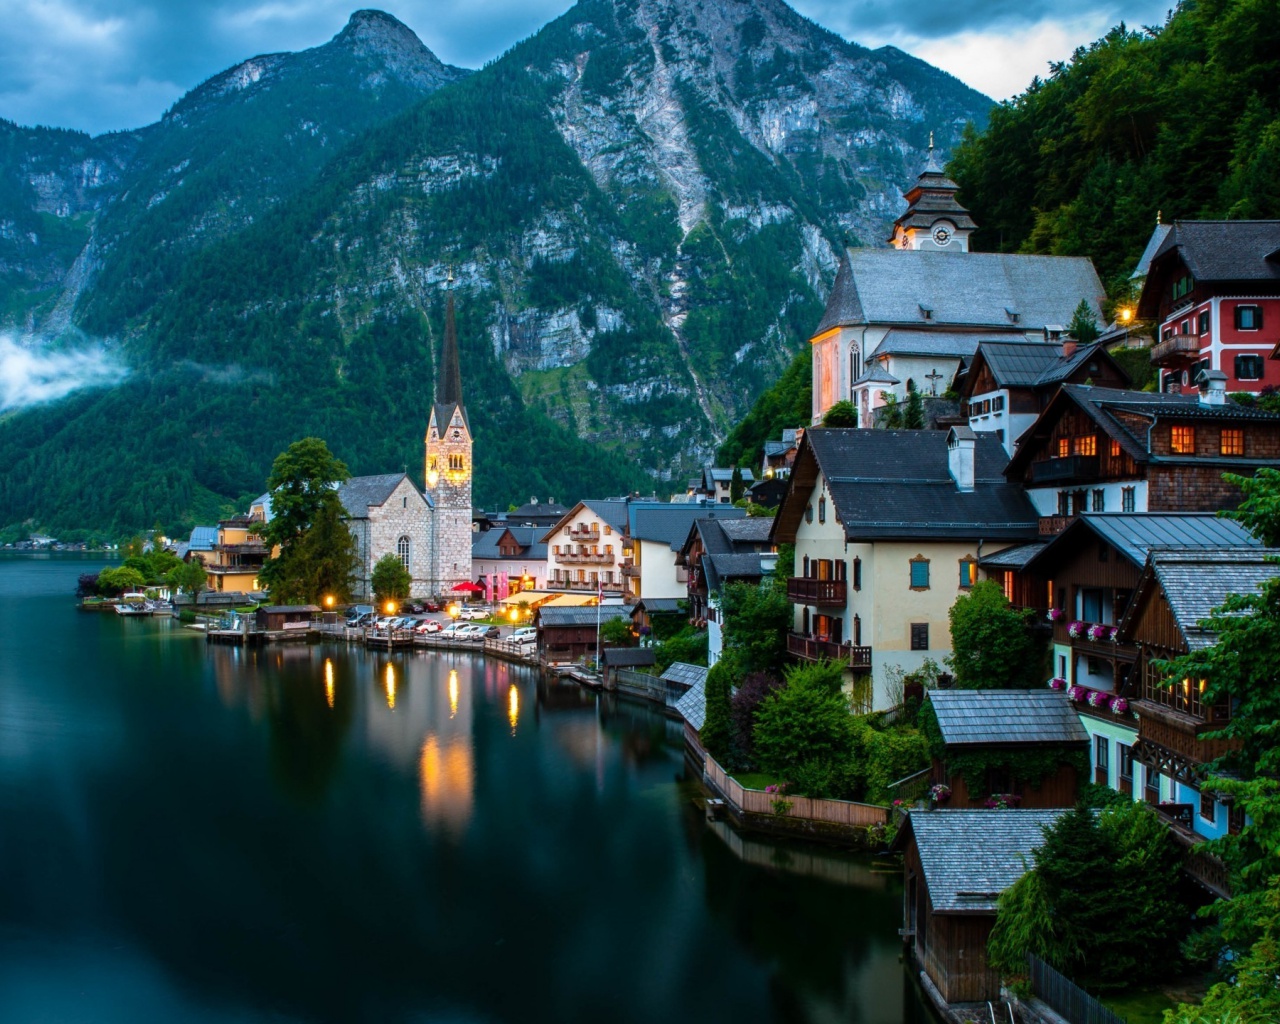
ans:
x=513 y=707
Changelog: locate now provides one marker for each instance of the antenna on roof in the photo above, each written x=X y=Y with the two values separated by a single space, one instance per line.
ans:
x=1158 y=213
x=931 y=143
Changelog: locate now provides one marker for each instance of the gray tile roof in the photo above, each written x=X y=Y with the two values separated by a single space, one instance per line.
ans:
x=970 y=857
x=897 y=483
x=961 y=289
x=1033 y=363
x=693 y=705
x=629 y=657
x=610 y=510
x=1226 y=250
x=358 y=493
x=202 y=538
x=875 y=373
x=1195 y=583
x=986 y=717
x=683 y=674
x=1012 y=558
x=532 y=548
x=1136 y=534
x=658 y=605
x=582 y=615
x=750 y=530
x=1156 y=240
x=670 y=523
x=906 y=342
x=722 y=569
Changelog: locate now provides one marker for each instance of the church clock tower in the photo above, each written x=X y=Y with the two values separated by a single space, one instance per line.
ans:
x=448 y=468
x=934 y=218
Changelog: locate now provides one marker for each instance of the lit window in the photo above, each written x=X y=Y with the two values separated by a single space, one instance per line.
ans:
x=920 y=573
x=1007 y=585
x=1232 y=442
x=1064 y=447
x=1086 y=445
x=1183 y=440
x=968 y=573
x=1115 y=448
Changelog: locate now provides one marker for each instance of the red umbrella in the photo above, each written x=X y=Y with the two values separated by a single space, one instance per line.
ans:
x=468 y=587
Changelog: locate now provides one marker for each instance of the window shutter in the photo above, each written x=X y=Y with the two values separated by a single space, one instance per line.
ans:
x=920 y=574
x=919 y=636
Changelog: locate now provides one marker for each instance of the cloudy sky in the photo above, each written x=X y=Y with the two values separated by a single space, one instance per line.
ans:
x=99 y=65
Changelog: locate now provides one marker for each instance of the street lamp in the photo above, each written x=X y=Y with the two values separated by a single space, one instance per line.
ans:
x=328 y=600
x=390 y=607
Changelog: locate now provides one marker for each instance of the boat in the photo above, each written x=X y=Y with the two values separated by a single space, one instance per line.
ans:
x=135 y=604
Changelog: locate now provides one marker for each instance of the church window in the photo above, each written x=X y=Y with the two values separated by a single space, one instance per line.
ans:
x=404 y=502
x=457 y=435
x=822 y=509
x=402 y=549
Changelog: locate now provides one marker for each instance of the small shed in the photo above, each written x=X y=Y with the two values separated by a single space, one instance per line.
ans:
x=664 y=609
x=633 y=658
x=955 y=865
x=680 y=678
x=992 y=728
x=285 y=616
x=692 y=707
x=566 y=634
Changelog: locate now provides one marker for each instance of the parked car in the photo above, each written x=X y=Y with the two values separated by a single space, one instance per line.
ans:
x=427 y=626
x=359 y=614
x=451 y=629
x=415 y=607
x=382 y=624
x=524 y=635
x=492 y=633
x=430 y=606
x=469 y=632
x=472 y=613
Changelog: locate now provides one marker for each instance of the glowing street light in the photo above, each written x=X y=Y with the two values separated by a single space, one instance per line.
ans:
x=390 y=607
x=1126 y=314
x=328 y=600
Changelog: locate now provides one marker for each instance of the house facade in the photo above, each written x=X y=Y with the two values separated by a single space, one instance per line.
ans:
x=718 y=552
x=1213 y=287
x=657 y=532
x=888 y=527
x=585 y=549
x=237 y=556
x=509 y=560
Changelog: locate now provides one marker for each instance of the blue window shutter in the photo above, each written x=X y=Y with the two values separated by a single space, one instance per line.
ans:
x=919 y=574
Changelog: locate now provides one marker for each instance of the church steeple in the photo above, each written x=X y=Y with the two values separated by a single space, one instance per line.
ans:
x=449 y=382
x=934 y=218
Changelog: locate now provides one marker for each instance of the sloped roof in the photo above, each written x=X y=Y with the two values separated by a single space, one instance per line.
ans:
x=610 y=510
x=693 y=705
x=657 y=605
x=358 y=493
x=748 y=530
x=875 y=373
x=1136 y=534
x=975 y=289
x=683 y=674
x=669 y=523
x=626 y=657
x=902 y=341
x=969 y=857
x=1197 y=582
x=1013 y=558
x=897 y=483
x=202 y=538
x=1153 y=244
x=582 y=616
x=1034 y=363
x=485 y=543
x=987 y=717
x=1226 y=250
x=721 y=569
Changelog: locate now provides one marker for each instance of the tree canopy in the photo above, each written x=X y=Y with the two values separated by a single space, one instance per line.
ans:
x=992 y=643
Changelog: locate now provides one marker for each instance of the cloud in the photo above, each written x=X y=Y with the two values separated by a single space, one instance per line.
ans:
x=37 y=375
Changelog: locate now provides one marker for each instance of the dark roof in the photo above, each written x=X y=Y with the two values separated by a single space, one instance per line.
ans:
x=1106 y=406
x=693 y=705
x=1153 y=244
x=897 y=483
x=1136 y=534
x=1197 y=582
x=970 y=857
x=1013 y=558
x=658 y=605
x=683 y=674
x=449 y=377
x=749 y=530
x=669 y=523
x=610 y=510
x=902 y=341
x=875 y=373
x=582 y=615
x=1226 y=250
x=540 y=509
x=976 y=289
x=623 y=657
x=532 y=548
x=721 y=569
x=986 y=717
x=358 y=493
x=1034 y=363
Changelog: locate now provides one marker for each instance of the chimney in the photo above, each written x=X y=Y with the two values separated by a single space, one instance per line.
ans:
x=960 y=446
x=1068 y=348
x=1213 y=387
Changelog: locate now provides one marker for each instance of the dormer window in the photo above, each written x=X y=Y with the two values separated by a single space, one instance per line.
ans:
x=926 y=311
x=1013 y=315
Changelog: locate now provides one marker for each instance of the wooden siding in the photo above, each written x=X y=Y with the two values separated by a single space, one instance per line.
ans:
x=1072 y=424
x=1155 y=627
x=1059 y=790
x=1174 y=488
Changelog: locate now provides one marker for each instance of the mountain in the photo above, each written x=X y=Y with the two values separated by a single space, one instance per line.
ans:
x=641 y=204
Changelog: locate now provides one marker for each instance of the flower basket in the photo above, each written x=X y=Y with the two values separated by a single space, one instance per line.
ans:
x=1077 y=693
x=1119 y=705
x=1057 y=683
x=1097 y=632
x=1115 y=634
x=1002 y=801
x=1054 y=614
x=1075 y=629
x=939 y=793
x=1097 y=699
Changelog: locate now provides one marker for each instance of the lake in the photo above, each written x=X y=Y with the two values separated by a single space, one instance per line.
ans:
x=319 y=833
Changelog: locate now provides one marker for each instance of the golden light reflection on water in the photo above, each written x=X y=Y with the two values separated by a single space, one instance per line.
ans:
x=328 y=680
x=453 y=692
x=391 y=686
x=513 y=707
x=447 y=776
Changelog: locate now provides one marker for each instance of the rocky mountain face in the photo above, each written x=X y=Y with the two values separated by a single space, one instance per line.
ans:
x=641 y=205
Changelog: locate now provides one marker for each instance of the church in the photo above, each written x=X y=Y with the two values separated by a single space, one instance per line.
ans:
x=918 y=310
x=428 y=530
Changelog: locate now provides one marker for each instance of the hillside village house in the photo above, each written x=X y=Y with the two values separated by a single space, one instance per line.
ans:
x=1008 y=384
x=888 y=528
x=780 y=455
x=1214 y=289
x=656 y=532
x=1102 y=450
x=718 y=552
x=237 y=556
x=715 y=484
x=509 y=560
x=917 y=311
x=585 y=548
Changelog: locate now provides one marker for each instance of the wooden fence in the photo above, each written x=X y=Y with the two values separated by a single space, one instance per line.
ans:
x=757 y=801
x=1066 y=998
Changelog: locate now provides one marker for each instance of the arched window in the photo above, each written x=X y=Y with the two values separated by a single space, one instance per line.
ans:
x=822 y=509
x=402 y=549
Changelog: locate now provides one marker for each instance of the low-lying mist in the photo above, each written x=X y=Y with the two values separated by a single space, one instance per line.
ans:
x=34 y=373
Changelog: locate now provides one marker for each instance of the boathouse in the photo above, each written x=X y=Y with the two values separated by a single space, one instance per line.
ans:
x=955 y=865
x=566 y=634
x=285 y=616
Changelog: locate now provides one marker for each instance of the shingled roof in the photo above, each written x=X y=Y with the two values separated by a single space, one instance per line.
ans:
x=669 y=523
x=358 y=493
x=693 y=705
x=888 y=484
x=683 y=674
x=721 y=569
x=1226 y=250
x=970 y=857
x=583 y=615
x=990 y=717
x=975 y=289
x=532 y=547
x=1026 y=364
x=903 y=341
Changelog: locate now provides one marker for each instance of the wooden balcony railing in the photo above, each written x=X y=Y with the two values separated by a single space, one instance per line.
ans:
x=804 y=590
x=584 y=533
x=1180 y=348
x=630 y=569
x=1070 y=468
x=812 y=649
x=1051 y=526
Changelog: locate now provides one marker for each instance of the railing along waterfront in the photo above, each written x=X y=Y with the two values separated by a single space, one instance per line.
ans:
x=757 y=801
x=1065 y=997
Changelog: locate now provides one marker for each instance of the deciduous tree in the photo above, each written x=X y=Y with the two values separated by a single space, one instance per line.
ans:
x=992 y=645
x=390 y=579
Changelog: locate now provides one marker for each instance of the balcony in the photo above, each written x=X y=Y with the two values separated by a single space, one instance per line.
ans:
x=1180 y=348
x=584 y=533
x=1051 y=526
x=584 y=585
x=805 y=590
x=1202 y=867
x=253 y=547
x=630 y=569
x=1069 y=469
x=586 y=557
x=810 y=649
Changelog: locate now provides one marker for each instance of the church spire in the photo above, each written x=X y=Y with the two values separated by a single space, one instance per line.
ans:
x=449 y=380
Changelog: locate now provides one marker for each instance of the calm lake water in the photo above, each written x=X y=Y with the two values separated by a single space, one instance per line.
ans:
x=316 y=833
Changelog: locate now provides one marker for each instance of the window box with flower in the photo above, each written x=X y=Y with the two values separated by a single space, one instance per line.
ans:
x=1057 y=683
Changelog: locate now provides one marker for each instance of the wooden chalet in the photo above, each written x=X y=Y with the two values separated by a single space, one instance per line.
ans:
x=285 y=616
x=955 y=865
x=992 y=723
x=566 y=634
x=615 y=659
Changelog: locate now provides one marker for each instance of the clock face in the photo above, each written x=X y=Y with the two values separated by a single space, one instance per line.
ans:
x=942 y=235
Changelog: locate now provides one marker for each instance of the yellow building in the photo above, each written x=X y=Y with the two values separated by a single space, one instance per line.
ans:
x=237 y=556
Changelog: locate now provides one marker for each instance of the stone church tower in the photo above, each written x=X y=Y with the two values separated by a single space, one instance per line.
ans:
x=448 y=469
x=934 y=218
